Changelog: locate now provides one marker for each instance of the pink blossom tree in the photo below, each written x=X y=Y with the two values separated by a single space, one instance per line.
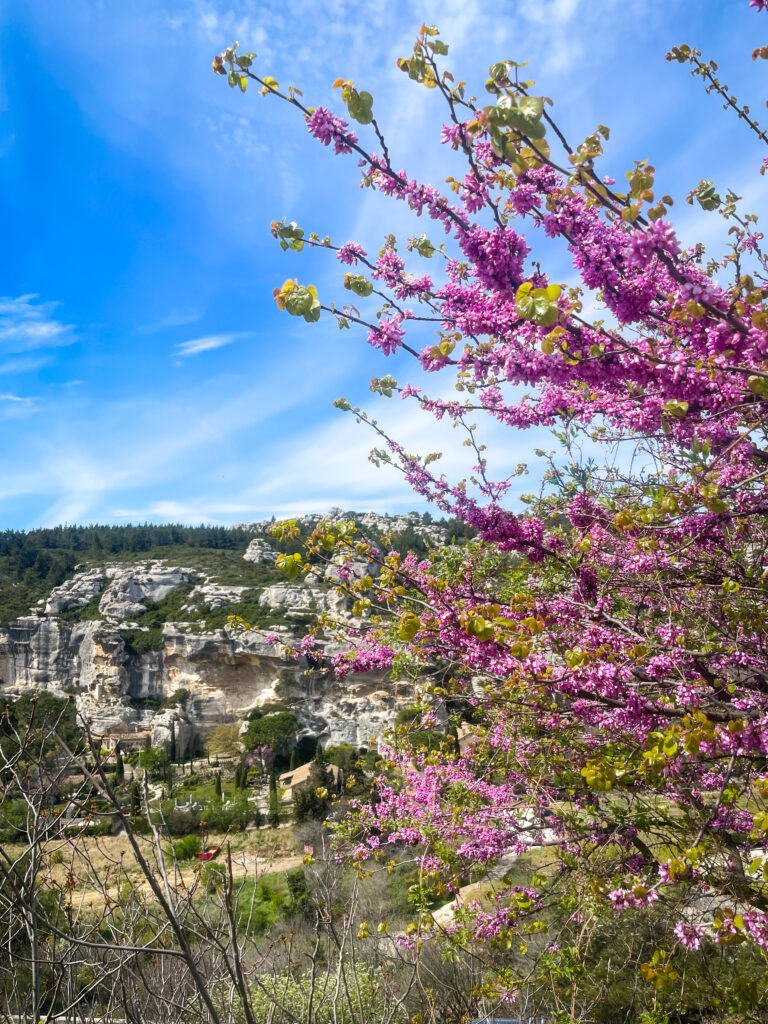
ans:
x=604 y=653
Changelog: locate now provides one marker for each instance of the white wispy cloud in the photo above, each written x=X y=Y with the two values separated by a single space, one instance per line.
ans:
x=198 y=510
x=206 y=344
x=176 y=318
x=28 y=324
x=14 y=407
x=26 y=364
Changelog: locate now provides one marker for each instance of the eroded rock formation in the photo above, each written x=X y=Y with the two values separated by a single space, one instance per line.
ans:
x=198 y=678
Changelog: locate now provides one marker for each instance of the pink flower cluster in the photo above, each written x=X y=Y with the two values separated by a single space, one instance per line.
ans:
x=690 y=935
x=327 y=128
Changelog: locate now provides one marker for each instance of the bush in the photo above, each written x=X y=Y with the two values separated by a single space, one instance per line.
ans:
x=177 y=698
x=212 y=876
x=263 y=902
x=238 y=815
x=225 y=740
x=371 y=1004
x=154 y=760
x=141 y=641
x=185 y=849
x=179 y=823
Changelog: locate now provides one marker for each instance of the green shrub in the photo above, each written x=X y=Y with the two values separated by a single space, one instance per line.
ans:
x=139 y=641
x=179 y=823
x=177 y=698
x=212 y=876
x=154 y=760
x=185 y=849
x=261 y=903
x=369 y=1003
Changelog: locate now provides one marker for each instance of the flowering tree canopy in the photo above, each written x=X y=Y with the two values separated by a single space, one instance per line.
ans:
x=602 y=658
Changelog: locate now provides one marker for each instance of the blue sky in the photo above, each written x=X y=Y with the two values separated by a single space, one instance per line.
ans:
x=145 y=372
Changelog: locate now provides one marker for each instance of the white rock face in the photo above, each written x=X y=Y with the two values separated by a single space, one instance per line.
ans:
x=161 y=730
x=294 y=598
x=225 y=677
x=341 y=567
x=131 y=585
x=226 y=674
x=75 y=593
x=214 y=596
x=260 y=552
x=430 y=533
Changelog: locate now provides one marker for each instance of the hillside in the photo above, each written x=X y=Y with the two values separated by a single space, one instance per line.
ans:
x=35 y=562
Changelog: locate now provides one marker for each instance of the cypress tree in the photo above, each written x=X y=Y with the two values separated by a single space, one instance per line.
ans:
x=217 y=787
x=119 y=768
x=273 y=817
x=173 y=741
x=135 y=798
x=319 y=773
x=308 y=802
x=294 y=759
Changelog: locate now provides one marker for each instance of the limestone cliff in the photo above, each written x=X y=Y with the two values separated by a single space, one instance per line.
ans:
x=195 y=676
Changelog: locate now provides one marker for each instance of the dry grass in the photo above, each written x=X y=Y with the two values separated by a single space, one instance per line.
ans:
x=97 y=867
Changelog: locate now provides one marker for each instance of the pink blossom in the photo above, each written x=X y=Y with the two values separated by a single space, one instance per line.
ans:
x=690 y=935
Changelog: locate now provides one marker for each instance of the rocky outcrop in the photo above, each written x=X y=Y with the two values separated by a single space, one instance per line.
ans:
x=130 y=586
x=75 y=593
x=372 y=522
x=297 y=601
x=214 y=596
x=293 y=599
x=260 y=552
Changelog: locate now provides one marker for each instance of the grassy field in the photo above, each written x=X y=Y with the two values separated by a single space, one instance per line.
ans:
x=95 y=867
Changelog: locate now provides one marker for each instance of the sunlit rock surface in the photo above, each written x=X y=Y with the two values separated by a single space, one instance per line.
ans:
x=201 y=677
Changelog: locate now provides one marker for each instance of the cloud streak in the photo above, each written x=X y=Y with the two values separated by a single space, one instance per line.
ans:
x=207 y=344
x=176 y=318
x=25 y=325
x=24 y=365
